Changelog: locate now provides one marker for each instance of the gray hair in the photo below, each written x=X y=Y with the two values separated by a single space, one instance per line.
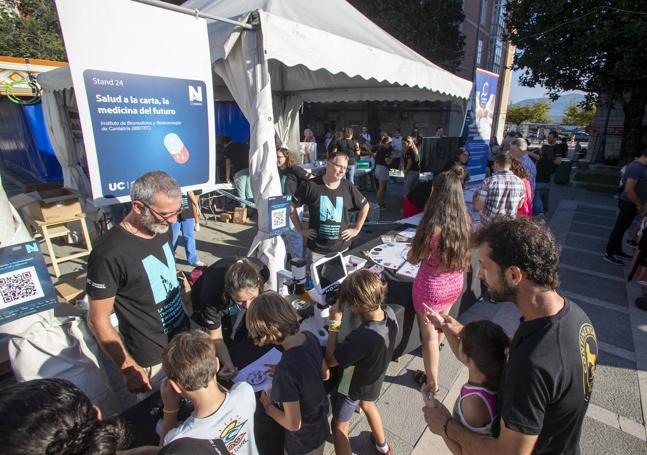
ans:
x=521 y=143
x=145 y=187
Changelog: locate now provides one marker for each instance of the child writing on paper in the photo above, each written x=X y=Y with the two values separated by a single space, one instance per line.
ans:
x=297 y=400
x=481 y=346
x=190 y=363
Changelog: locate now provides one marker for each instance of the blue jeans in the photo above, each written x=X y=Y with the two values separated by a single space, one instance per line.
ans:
x=243 y=185
x=410 y=180
x=188 y=234
x=540 y=200
x=350 y=173
x=293 y=239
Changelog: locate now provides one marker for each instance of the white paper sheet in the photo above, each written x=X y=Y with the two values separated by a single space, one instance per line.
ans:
x=408 y=270
x=389 y=255
x=256 y=370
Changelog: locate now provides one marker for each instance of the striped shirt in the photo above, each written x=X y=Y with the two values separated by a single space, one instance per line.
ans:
x=502 y=194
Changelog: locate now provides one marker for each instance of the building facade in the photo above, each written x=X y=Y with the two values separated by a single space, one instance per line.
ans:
x=485 y=48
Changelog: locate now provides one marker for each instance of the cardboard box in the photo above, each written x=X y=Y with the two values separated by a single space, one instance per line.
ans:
x=240 y=215
x=49 y=205
x=224 y=217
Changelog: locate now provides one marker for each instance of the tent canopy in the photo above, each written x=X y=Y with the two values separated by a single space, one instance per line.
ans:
x=297 y=52
x=328 y=51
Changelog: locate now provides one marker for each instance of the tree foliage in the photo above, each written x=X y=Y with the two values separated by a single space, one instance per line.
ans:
x=431 y=28
x=578 y=115
x=30 y=29
x=597 y=46
x=535 y=113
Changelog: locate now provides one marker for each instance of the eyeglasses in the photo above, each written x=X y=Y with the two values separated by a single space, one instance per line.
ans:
x=164 y=216
x=339 y=166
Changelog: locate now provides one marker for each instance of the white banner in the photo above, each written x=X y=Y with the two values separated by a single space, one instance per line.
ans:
x=142 y=80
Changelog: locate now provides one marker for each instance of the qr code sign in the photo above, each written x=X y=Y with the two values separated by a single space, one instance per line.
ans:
x=19 y=286
x=279 y=219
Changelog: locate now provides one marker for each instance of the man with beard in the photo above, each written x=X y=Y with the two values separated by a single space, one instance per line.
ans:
x=548 y=376
x=132 y=269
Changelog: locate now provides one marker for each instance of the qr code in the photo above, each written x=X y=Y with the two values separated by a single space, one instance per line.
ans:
x=279 y=219
x=19 y=286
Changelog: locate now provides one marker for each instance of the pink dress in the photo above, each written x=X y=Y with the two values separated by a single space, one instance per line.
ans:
x=437 y=290
x=526 y=207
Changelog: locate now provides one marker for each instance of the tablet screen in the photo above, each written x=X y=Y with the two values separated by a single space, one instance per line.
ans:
x=330 y=271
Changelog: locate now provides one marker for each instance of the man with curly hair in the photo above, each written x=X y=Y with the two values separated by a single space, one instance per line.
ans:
x=547 y=381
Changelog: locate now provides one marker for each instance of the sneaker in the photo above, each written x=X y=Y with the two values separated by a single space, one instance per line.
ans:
x=623 y=255
x=383 y=207
x=612 y=259
x=199 y=264
x=378 y=450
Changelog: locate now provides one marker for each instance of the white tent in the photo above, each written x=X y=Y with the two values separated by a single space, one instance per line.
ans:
x=300 y=52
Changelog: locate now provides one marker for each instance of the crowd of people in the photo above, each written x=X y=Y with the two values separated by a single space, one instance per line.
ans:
x=528 y=394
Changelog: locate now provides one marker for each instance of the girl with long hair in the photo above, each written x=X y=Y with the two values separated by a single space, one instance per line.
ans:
x=411 y=164
x=441 y=247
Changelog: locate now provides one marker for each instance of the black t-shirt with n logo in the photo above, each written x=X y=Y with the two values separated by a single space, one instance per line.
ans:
x=328 y=211
x=548 y=379
x=140 y=273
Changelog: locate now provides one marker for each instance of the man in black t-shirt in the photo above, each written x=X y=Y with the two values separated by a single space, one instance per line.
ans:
x=548 y=378
x=350 y=147
x=329 y=199
x=132 y=269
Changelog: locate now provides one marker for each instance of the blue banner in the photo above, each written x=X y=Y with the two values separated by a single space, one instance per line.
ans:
x=25 y=285
x=145 y=123
x=478 y=122
x=278 y=209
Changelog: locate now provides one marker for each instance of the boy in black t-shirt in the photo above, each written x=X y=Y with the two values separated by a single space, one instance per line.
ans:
x=297 y=388
x=364 y=355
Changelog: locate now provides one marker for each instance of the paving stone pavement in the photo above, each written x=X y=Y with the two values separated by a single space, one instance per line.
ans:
x=581 y=221
x=615 y=422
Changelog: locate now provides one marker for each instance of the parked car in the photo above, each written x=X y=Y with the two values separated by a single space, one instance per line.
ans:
x=582 y=136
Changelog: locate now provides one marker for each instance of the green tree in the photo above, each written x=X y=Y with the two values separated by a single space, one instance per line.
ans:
x=431 y=28
x=578 y=115
x=597 y=46
x=541 y=112
x=535 y=113
x=30 y=29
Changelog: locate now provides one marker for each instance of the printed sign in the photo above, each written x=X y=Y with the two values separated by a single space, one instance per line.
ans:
x=145 y=97
x=478 y=122
x=278 y=208
x=25 y=285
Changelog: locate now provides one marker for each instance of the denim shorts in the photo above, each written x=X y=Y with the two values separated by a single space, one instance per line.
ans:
x=343 y=407
x=381 y=173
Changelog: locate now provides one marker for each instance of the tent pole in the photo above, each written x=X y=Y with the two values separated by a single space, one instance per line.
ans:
x=193 y=12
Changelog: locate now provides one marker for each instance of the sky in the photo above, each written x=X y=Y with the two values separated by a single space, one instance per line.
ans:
x=519 y=93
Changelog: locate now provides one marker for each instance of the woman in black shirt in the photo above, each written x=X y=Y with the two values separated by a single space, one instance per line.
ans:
x=411 y=164
x=382 y=162
x=220 y=298
x=291 y=177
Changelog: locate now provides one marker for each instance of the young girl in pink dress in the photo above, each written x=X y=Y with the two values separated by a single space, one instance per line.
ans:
x=441 y=246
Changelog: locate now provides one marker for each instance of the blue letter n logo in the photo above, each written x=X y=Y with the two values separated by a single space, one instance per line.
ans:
x=32 y=248
x=328 y=211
